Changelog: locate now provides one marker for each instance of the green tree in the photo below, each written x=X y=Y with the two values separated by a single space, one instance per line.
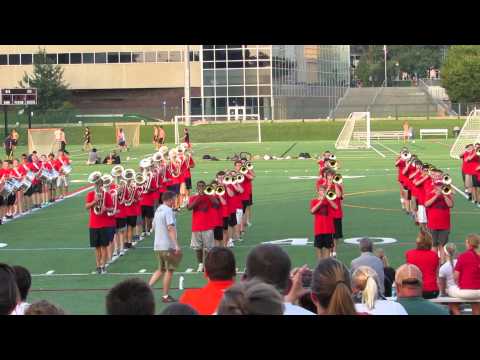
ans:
x=461 y=73
x=47 y=78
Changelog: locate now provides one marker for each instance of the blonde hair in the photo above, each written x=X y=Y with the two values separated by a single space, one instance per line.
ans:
x=424 y=241
x=382 y=256
x=365 y=279
x=451 y=249
x=473 y=240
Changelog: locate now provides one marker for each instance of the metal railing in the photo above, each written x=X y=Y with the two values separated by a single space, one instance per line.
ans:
x=422 y=85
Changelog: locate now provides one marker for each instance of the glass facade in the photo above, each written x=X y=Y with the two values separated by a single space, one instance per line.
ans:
x=273 y=81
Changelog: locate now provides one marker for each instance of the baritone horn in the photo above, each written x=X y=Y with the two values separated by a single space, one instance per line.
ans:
x=117 y=171
x=331 y=195
x=446 y=179
x=332 y=163
x=338 y=179
x=209 y=190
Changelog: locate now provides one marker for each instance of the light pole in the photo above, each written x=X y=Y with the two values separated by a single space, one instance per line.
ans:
x=385 y=53
x=187 y=84
x=164 y=111
x=398 y=70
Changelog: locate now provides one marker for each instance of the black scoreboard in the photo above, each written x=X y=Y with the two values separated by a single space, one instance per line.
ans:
x=18 y=97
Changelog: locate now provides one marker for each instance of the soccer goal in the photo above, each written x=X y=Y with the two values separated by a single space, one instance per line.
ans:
x=469 y=134
x=355 y=133
x=248 y=129
x=132 y=133
x=42 y=141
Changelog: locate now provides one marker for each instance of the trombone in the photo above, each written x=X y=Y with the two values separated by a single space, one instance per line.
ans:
x=446 y=189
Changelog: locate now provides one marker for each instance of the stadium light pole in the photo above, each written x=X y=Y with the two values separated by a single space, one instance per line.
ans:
x=385 y=54
x=187 y=85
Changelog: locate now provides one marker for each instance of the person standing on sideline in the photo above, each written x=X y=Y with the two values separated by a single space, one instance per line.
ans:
x=186 y=137
x=87 y=139
x=166 y=246
x=406 y=131
x=61 y=140
x=8 y=145
x=121 y=140
x=161 y=135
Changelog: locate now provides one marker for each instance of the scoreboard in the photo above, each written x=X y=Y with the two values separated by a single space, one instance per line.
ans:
x=18 y=97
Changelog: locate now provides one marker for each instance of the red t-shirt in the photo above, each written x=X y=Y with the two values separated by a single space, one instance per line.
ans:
x=201 y=213
x=320 y=182
x=428 y=263
x=468 y=167
x=225 y=208
x=57 y=165
x=148 y=199
x=235 y=200
x=5 y=172
x=438 y=214
x=420 y=189
x=206 y=300
x=321 y=166
x=186 y=168
x=172 y=180
x=19 y=172
x=64 y=159
x=323 y=220
x=337 y=213
x=216 y=214
x=400 y=166
x=247 y=189
x=468 y=265
x=102 y=220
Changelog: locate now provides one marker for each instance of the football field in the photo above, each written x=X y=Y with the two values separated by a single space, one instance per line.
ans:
x=53 y=242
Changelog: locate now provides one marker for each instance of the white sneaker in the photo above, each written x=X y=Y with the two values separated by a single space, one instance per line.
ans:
x=122 y=252
x=334 y=254
x=249 y=224
x=200 y=267
x=143 y=234
x=230 y=243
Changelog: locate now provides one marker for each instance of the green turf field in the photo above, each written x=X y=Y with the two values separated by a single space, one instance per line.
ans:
x=56 y=238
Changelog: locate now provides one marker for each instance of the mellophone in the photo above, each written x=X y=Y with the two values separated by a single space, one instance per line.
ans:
x=130 y=185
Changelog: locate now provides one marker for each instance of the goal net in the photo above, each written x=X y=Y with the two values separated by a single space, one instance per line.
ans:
x=131 y=131
x=355 y=133
x=469 y=134
x=42 y=141
x=246 y=129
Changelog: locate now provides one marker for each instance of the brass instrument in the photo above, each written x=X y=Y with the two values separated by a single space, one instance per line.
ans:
x=446 y=189
x=338 y=179
x=96 y=179
x=157 y=157
x=129 y=176
x=117 y=171
x=107 y=181
x=332 y=157
x=243 y=170
x=249 y=165
x=209 y=190
x=227 y=180
x=332 y=164
x=446 y=179
x=405 y=155
x=478 y=151
x=239 y=178
x=220 y=190
x=331 y=195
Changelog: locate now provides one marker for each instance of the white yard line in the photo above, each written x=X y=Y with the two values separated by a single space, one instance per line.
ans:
x=119 y=274
x=377 y=151
x=386 y=147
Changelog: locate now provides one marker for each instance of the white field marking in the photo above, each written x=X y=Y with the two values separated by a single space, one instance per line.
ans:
x=205 y=172
x=78 y=181
x=189 y=270
x=50 y=272
x=2 y=245
x=382 y=240
x=386 y=147
x=290 y=241
x=459 y=191
x=377 y=151
x=316 y=177
x=142 y=271
x=117 y=274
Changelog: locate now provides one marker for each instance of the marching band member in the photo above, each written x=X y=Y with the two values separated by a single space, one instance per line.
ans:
x=470 y=162
x=35 y=167
x=247 y=195
x=202 y=229
x=420 y=182
x=52 y=185
x=42 y=183
x=400 y=164
x=218 y=219
x=24 y=168
x=62 y=180
x=438 y=203
x=334 y=184
x=120 y=218
x=4 y=174
x=147 y=203
x=131 y=212
x=235 y=205
x=19 y=174
x=187 y=164
x=172 y=175
x=322 y=208
x=225 y=199
x=322 y=163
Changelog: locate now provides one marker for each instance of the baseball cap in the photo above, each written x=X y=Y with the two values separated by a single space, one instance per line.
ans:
x=408 y=274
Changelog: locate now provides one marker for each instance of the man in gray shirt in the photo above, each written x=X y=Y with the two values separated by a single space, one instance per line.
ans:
x=166 y=246
x=368 y=258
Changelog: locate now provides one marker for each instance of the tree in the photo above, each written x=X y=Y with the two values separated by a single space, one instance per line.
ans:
x=47 y=78
x=461 y=73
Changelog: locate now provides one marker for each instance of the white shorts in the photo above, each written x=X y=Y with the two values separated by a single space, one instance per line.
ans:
x=239 y=216
x=421 y=214
x=466 y=294
x=62 y=181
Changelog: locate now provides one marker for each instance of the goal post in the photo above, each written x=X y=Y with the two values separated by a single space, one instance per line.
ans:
x=132 y=132
x=355 y=133
x=42 y=141
x=248 y=129
x=469 y=134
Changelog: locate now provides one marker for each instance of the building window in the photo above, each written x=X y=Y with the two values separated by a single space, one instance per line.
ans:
x=208 y=65
x=14 y=59
x=88 y=58
x=137 y=57
x=100 y=58
x=150 y=57
x=27 y=59
x=162 y=56
x=38 y=59
x=64 y=58
x=208 y=55
x=235 y=91
x=75 y=58
x=175 y=56
x=194 y=56
x=235 y=77
x=125 y=57
x=112 y=57
x=3 y=59
x=208 y=91
x=52 y=58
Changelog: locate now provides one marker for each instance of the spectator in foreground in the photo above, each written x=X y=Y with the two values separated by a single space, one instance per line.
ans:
x=179 y=309
x=446 y=281
x=252 y=297
x=131 y=297
x=388 y=272
x=271 y=264
x=44 y=307
x=112 y=159
x=428 y=263
x=93 y=157
x=367 y=296
x=24 y=282
x=368 y=258
x=220 y=272
x=409 y=282
x=9 y=294
x=467 y=273
x=331 y=292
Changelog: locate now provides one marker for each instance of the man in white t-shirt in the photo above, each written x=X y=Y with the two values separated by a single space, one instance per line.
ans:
x=166 y=246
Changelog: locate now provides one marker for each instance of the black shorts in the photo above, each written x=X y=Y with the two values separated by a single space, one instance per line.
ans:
x=174 y=188
x=132 y=221
x=14 y=142
x=100 y=237
x=475 y=181
x=188 y=183
x=218 y=233
x=121 y=143
x=324 y=241
x=225 y=223
x=147 y=212
x=11 y=199
x=29 y=192
x=37 y=188
x=338 y=228
x=121 y=223
x=409 y=193
x=2 y=201
x=232 y=219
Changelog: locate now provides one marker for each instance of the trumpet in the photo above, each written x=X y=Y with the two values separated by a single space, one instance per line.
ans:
x=331 y=195
x=447 y=180
x=220 y=190
x=209 y=190
x=332 y=157
x=332 y=163
x=249 y=165
x=446 y=189
x=227 y=180
x=243 y=170
x=478 y=151
x=405 y=155
x=117 y=171
x=338 y=179
x=139 y=179
x=239 y=178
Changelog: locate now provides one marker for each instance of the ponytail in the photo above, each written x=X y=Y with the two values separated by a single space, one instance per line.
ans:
x=341 y=302
x=365 y=280
x=370 y=293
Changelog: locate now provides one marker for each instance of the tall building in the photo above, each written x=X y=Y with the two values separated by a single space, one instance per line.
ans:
x=227 y=81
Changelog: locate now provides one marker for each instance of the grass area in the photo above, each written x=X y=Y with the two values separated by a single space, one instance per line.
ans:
x=277 y=131
x=56 y=238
